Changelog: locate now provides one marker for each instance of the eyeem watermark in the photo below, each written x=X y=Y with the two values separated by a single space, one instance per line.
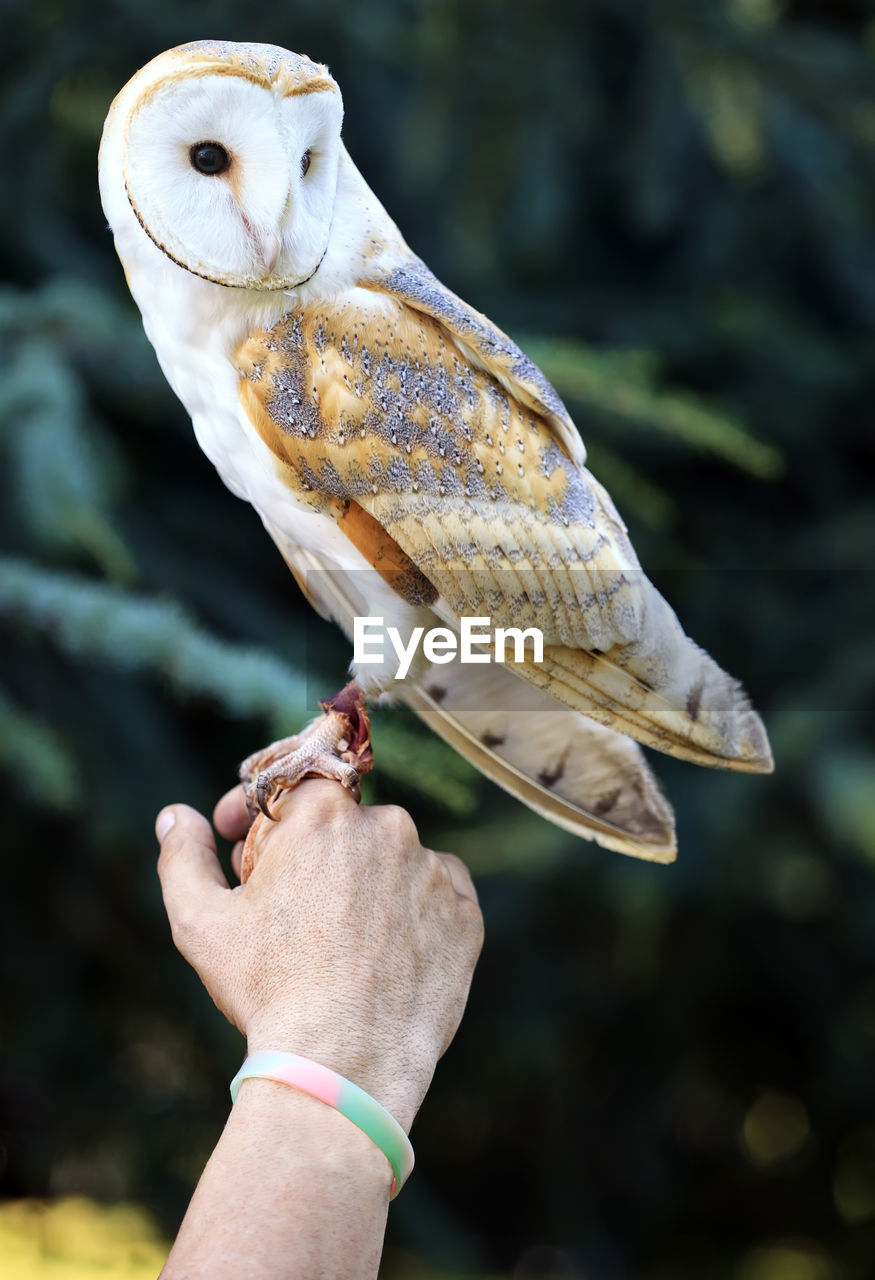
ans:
x=442 y=644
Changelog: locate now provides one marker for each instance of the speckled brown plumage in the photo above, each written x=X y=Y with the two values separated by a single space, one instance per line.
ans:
x=380 y=407
x=466 y=484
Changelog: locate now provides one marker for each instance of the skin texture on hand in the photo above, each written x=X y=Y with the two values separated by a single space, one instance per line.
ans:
x=349 y=944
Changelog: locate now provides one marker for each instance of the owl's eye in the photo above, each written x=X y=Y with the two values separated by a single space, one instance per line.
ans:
x=305 y=163
x=209 y=157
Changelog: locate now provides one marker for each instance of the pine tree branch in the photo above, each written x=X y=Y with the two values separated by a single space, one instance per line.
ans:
x=98 y=621
x=608 y=384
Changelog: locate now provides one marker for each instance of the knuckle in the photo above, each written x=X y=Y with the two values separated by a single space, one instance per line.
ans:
x=330 y=801
x=398 y=822
x=438 y=872
x=459 y=873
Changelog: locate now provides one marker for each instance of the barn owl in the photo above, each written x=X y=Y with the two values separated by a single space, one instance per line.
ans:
x=409 y=461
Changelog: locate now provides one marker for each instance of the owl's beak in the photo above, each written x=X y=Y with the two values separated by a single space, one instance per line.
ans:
x=269 y=245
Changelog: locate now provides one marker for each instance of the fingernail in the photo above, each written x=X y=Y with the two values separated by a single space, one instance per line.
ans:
x=166 y=819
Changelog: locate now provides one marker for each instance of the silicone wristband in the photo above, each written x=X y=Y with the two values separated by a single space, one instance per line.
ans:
x=347 y=1098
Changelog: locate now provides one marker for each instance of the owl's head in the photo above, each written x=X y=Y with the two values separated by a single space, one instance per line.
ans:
x=229 y=155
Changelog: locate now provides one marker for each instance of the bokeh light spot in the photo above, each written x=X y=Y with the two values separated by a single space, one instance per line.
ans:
x=775 y=1127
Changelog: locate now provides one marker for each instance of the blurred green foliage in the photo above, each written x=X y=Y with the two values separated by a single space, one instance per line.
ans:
x=664 y=1074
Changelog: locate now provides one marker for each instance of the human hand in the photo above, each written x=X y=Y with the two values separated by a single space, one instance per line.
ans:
x=349 y=943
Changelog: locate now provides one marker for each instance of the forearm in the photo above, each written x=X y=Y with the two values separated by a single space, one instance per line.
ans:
x=293 y=1189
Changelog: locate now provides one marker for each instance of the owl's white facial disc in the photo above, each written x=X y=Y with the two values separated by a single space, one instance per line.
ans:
x=232 y=180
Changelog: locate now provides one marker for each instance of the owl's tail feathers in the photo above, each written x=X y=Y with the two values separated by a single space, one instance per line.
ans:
x=585 y=778
x=688 y=707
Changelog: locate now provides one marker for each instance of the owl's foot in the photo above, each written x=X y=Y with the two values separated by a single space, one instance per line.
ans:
x=336 y=745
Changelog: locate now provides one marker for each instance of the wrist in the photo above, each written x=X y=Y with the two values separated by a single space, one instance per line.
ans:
x=289 y=1126
x=372 y=1066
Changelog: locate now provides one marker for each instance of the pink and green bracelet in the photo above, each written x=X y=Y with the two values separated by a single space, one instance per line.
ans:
x=347 y=1098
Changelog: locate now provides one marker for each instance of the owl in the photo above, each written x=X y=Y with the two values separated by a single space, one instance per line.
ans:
x=416 y=470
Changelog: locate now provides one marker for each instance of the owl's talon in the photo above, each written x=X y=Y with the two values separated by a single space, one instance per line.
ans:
x=336 y=745
x=262 y=794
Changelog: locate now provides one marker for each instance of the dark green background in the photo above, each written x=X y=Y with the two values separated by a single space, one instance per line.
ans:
x=664 y=1073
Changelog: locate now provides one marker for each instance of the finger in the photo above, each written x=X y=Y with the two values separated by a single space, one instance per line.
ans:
x=460 y=876
x=237 y=858
x=312 y=806
x=312 y=800
x=230 y=816
x=187 y=864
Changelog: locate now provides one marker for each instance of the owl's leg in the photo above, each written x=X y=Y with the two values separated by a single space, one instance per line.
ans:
x=336 y=745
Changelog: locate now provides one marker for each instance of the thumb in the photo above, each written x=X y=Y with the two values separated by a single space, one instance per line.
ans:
x=191 y=878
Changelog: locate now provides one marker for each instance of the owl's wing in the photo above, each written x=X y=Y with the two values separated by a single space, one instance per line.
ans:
x=585 y=778
x=578 y=774
x=468 y=500
x=482 y=343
